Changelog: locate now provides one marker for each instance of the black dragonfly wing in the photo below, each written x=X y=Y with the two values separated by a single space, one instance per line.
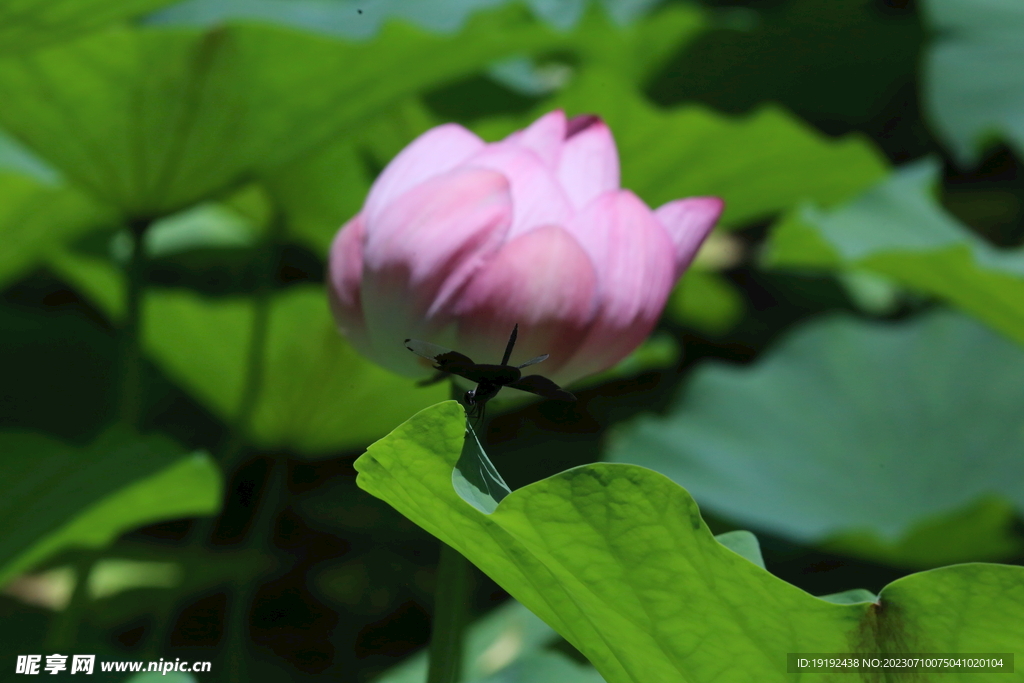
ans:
x=502 y=375
x=542 y=386
x=444 y=359
x=533 y=361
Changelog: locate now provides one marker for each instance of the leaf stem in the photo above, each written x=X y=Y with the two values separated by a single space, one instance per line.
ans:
x=130 y=408
x=63 y=632
x=234 y=443
x=256 y=353
x=451 y=616
x=243 y=594
x=452 y=595
x=204 y=529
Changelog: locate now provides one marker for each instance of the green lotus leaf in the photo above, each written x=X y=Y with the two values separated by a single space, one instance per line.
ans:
x=707 y=301
x=37 y=218
x=56 y=496
x=974 y=86
x=319 y=395
x=153 y=120
x=617 y=559
x=896 y=442
x=897 y=230
x=30 y=24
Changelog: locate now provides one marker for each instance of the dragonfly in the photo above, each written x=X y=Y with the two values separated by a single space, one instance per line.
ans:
x=489 y=378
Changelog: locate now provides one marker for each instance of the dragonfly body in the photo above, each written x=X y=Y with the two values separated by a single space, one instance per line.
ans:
x=490 y=379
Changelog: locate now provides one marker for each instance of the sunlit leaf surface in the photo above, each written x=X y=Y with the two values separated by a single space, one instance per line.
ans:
x=617 y=559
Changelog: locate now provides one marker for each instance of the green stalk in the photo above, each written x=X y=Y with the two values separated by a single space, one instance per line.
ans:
x=254 y=364
x=452 y=594
x=234 y=443
x=131 y=330
x=204 y=529
x=451 y=616
x=63 y=632
x=243 y=595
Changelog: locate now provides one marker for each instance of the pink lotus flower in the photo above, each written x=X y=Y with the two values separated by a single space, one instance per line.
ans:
x=459 y=240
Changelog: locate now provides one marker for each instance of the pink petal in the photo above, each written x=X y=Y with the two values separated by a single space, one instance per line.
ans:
x=537 y=197
x=437 y=151
x=688 y=222
x=422 y=249
x=590 y=162
x=635 y=264
x=345 y=272
x=544 y=137
x=544 y=282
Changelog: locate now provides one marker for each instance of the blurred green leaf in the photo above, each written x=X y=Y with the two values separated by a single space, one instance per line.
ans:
x=319 y=396
x=210 y=225
x=55 y=496
x=355 y=19
x=635 y=51
x=325 y=187
x=111 y=576
x=617 y=559
x=30 y=24
x=96 y=278
x=196 y=572
x=982 y=529
x=148 y=121
x=154 y=120
x=15 y=157
x=499 y=639
x=874 y=294
x=876 y=433
x=202 y=226
x=759 y=164
x=706 y=301
x=898 y=230
x=974 y=84
x=35 y=218
x=544 y=667
x=317 y=390
x=843 y=65
x=155 y=677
